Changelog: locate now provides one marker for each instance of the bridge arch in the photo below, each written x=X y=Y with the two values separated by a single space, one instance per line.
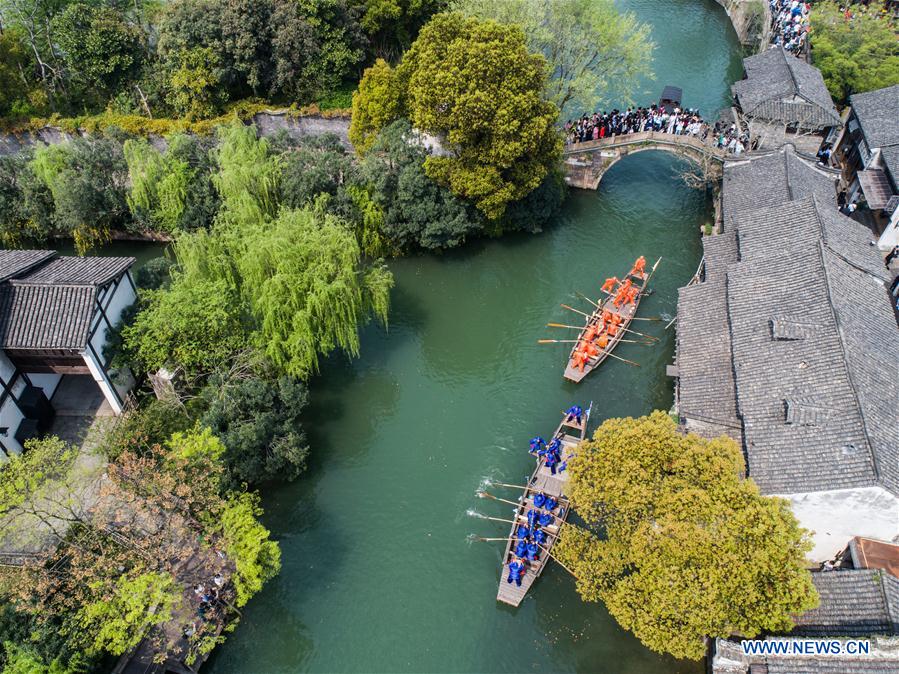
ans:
x=587 y=162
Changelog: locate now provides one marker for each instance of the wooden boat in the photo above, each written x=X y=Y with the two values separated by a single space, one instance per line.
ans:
x=627 y=312
x=570 y=433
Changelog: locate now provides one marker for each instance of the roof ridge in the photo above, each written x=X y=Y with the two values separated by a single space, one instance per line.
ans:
x=849 y=378
x=787 y=173
x=30 y=284
x=783 y=53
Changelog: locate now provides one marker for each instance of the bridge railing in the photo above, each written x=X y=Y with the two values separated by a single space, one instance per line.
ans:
x=660 y=137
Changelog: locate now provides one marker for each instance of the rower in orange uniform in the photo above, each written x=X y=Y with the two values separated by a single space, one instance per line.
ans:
x=609 y=285
x=592 y=331
x=602 y=342
x=580 y=359
x=591 y=349
x=612 y=329
x=639 y=267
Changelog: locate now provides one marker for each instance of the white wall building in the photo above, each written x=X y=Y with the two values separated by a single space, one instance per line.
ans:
x=56 y=315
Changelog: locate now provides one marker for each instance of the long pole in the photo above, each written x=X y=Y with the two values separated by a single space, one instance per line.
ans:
x=575 y=327
x=575 y=341
x=484 y=494
x=556 y=559
x=511 y=486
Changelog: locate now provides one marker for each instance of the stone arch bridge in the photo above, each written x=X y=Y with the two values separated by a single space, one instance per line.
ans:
x=587 y=162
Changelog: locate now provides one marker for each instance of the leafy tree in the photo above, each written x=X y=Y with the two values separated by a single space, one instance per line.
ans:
x=593 y=49
x=314 y=166
x=249 y=175
x=99 y=46
x=171 y=190
x=15 y=67
x=315 y=45
x=192 y=323
x=307 y=289
x=26 y=660
x=186 y=25
x=688 y=548
x=195 y=85
x=258 y=419
x=247 y=543
x=392 y=25
x=120 y=620
x=246 y=38
x=86 y=179
x=476 y=85
x=854 y=54
x=26 y=205
x=417 y=212
x=376 y=103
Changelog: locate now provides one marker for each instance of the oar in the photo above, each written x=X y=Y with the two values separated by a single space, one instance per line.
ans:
x=484 y=494
x=584 y=297
x=503 y=484
x=482 y=539
x=497 y=519
x=648 y=318
x=629 y=362
x=575 y=327
x=575 y=341
x=565 y=306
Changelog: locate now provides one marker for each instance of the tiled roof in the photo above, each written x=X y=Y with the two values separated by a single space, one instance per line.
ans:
x=772 y=77
x=15 y=262
x=890 y=157
x=95 y=271
x=45 y=317
x=876 y=113
x=839 y=665
x=706 y=394
x=48 y=302
x=854 y=603
x=773 y=179
x=807 y=320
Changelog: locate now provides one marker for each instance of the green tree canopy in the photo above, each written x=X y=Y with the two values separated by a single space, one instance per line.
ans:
x=415 y=211
x=593 y=49
x=684 y=547
x=857 y=54
x=258 y=419
x=475 y=86
x=376 y=103
x=100 y=47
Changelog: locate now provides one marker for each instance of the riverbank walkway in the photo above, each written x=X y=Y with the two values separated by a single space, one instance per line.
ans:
x=587 y=162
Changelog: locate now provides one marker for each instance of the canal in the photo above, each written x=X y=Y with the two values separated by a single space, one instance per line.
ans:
x=378 y=573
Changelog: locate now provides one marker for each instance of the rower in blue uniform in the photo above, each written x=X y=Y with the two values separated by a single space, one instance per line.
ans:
x=552 y=460
x=550 y=503
x=539 y=499
x=574 y=412
x=537 y=444
x=521 y=548
x=545 y=519
x=523 y=532
x=540 y=536
x=533 y=552
x=516 y=571
x=555 y=446
x=532 y=518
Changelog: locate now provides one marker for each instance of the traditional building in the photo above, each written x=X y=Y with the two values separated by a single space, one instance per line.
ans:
x=788 y=345
x=56 y=316
x=784 y=99
x=869 y=149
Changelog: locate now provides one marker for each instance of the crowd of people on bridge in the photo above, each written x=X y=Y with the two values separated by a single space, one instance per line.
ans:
x=677 y=121
x=790 y=24
x=687 y=122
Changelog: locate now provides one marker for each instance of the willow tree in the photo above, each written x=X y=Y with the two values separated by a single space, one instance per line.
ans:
x=305 y=285
x=593 y=49
x=681 y=547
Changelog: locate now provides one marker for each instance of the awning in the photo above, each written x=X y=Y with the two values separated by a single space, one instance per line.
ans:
x=876 y=186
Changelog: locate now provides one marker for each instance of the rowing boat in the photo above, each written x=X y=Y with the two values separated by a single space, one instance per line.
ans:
x=569 y=433
x=572 y=371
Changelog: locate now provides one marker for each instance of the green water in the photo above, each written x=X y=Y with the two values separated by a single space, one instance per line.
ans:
x=378 y=575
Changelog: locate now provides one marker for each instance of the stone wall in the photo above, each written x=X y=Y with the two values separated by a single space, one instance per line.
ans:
x=752 y=21
x=268 y=124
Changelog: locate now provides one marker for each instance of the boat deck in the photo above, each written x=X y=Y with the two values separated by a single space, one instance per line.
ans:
x=542 y=480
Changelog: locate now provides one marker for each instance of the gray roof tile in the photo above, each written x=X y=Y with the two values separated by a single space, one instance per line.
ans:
x=774 y=76
x=95 y=271
x=853 y=604
x=15 y=262
x=876 y=113
x=45 y=317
